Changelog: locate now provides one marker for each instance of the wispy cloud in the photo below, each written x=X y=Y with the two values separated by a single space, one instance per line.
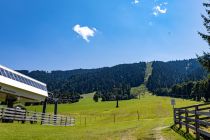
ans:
x=85 y=32
x=159 y=9
x=135 y=1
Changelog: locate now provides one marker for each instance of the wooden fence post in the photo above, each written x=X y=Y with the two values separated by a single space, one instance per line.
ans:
x=34 y=118
x=138 y=115
x=24 y=117
x=85 y=121
x=66 y=121
x=56 y=119
x=49 y=119
x=186 y=121
x=15 y=112
x=2 y=114
x=174 y=113
x=61 y=120
x=197 y=123
x=42 y=118
x=180 y=119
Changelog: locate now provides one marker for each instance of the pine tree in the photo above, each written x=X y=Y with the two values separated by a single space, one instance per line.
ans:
x=205 y=59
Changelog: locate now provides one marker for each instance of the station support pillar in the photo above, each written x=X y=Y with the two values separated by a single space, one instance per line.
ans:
x=44 y=110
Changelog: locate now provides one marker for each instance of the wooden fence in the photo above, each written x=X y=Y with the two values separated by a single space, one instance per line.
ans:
x=195 y=118
x=11 y=114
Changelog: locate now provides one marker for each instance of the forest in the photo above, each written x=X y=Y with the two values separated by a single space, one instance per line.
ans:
x=181 y=78
x=167 y=74
x=69 y=85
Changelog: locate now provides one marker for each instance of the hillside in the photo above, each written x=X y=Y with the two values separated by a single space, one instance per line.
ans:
x=167 y=74
x=154 y=75
x=76 y=82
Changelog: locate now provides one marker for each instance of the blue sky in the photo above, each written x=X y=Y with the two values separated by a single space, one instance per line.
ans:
x=71 y=34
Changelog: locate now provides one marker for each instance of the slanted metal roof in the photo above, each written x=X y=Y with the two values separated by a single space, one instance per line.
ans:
x=17 y=84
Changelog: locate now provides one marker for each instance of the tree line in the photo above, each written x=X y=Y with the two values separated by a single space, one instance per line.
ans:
x=119 y=92
x=196 y=90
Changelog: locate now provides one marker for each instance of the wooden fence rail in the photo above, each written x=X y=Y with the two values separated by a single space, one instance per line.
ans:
x=195 y=118
x=11 y=114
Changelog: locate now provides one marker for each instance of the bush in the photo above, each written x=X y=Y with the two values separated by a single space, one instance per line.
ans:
x=95 y=97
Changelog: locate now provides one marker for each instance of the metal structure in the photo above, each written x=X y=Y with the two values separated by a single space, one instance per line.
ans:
x=15 y=86
x=55 y=100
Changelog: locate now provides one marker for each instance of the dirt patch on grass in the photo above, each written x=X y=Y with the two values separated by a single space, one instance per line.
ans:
x=157 y=132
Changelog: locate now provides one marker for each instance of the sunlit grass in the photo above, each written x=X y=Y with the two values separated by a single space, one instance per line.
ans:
x=134 y=119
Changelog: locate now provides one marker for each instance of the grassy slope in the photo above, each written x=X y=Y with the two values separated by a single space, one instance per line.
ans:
x=142 y=89
x=155 y=114
x=148 y=72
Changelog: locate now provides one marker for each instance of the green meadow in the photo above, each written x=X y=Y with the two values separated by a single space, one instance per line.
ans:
x=149 y=117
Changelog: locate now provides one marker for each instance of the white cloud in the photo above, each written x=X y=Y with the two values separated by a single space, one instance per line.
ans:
x=135 y=1
x=165 y=3
x=155 y=13
x=158 y=10
x=85 y=32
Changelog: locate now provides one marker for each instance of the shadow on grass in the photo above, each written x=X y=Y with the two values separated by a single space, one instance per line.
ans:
x=187 y=136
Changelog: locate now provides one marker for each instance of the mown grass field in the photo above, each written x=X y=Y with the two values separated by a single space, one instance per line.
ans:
x=155 y=118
